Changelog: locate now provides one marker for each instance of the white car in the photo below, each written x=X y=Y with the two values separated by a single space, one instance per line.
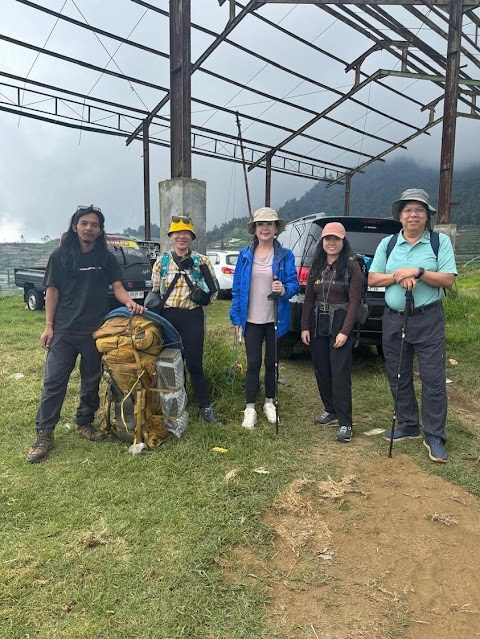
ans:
x=223 y=263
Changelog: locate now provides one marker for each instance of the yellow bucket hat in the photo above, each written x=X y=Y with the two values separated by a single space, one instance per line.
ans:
x=181 y=223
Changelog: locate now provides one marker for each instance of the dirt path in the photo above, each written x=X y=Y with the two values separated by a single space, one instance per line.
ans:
x=388 y=552
x=385 y=552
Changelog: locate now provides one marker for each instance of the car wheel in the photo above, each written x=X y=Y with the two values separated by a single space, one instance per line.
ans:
x=379 y=348
x=35 y=301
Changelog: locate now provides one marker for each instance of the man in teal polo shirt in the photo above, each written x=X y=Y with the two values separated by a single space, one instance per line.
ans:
x=412 y=265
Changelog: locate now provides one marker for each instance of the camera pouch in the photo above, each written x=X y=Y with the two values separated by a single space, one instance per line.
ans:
x=322 y=320
x=198 y=295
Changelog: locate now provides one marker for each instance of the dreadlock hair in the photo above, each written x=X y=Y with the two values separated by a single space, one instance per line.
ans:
x=319 y=263
x=70 y=250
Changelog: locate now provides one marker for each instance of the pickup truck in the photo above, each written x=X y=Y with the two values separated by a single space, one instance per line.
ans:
x=137 y=274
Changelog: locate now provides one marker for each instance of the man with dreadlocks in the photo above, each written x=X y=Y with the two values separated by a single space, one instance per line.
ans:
x=77 y=278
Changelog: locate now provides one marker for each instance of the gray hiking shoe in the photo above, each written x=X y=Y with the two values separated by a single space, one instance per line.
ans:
x=344 y=434
x=40 y=448
x=325 y=419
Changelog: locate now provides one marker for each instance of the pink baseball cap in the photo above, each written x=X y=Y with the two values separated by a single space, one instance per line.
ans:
x=334 y=228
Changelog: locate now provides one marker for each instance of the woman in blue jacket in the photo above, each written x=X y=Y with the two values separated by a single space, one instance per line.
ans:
x=263 y=268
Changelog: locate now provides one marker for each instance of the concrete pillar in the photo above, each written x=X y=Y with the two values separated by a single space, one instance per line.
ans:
x=448 y=229
x=183 y=196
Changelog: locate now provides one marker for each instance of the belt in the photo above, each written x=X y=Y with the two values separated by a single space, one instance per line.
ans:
x=416 y=311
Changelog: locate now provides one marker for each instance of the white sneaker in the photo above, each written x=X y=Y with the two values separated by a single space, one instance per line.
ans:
x=249 y=418
x=270 y=412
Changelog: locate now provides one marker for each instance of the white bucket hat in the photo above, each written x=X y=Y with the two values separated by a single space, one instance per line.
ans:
x=266 y=214
x=419 y=195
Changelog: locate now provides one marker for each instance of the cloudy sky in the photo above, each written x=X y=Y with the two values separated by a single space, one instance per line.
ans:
x=47 y=170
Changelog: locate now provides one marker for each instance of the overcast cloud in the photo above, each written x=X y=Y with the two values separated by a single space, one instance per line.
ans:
x=47 y=170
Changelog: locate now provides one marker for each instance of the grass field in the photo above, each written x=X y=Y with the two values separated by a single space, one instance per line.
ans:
x=98 y=544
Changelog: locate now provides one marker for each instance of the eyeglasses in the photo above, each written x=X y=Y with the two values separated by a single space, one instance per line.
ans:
x=419 y=210
x=264 y=223
x=181 y=218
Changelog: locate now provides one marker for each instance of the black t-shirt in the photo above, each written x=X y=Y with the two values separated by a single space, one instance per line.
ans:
x=82 y=300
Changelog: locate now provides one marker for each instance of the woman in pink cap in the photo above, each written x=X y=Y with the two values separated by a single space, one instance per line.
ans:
x=329 y=312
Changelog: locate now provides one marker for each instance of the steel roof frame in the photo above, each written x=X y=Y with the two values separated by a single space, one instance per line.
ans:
x=429 y=65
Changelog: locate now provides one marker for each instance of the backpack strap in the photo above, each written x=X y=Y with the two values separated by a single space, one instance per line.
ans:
x=435 y=242
x=164 y=265
x=163 y=275
x=391 y=243
x=348 y=274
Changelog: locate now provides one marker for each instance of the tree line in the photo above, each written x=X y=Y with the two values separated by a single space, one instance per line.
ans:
x=372 y=194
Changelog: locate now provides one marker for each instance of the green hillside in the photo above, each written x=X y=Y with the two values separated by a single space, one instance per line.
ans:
x=25 y=254
x=372 y=194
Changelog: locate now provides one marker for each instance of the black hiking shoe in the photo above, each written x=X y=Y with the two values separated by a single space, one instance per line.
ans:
x=207 y=415
x=344 y=434
x=40 y=448
x=325 y=419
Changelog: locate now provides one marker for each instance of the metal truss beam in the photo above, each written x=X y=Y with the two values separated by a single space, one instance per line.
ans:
x=95 y=118
x=438 y=3
x=320 y=115
x=164 y=55
x=469 y=82
x=203 y=103
x=401 y=144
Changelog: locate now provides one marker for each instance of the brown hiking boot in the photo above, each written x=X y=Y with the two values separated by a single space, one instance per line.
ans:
x=89 y=432
x=40 y=448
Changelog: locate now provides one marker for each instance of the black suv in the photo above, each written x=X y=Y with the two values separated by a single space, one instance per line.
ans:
x=364 y=235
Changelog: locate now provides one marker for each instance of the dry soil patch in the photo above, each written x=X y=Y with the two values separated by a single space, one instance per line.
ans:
x=388 y=552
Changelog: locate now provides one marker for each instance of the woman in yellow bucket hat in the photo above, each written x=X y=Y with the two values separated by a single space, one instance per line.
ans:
x=173 y=275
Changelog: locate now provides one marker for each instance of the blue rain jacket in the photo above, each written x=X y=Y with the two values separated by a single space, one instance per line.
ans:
x=283 y=267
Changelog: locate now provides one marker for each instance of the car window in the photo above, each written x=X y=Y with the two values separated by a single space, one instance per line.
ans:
x=231 y=259
x=301 y=237
x=214 y=258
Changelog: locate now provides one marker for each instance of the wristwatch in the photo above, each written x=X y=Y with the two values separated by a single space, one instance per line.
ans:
x=420 y=273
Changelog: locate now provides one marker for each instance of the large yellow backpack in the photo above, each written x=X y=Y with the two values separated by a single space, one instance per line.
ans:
x=130 y=346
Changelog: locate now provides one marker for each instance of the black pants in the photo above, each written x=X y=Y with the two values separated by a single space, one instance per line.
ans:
x=255 y=335
x=61 y=359
x=190 y=323
x=333 y=370
x=425 y=337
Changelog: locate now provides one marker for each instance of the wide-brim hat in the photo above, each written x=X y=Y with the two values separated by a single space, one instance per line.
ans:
x=181 y=223
x=266 y=214
x=419 y=195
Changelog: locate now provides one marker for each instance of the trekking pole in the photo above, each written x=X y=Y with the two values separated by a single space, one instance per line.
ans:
x=408 y=310
x=274 y=297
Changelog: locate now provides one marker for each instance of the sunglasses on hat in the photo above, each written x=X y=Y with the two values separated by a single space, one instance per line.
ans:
x=181 y=218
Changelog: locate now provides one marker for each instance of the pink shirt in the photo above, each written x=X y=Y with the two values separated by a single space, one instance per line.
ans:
x=260 y=309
